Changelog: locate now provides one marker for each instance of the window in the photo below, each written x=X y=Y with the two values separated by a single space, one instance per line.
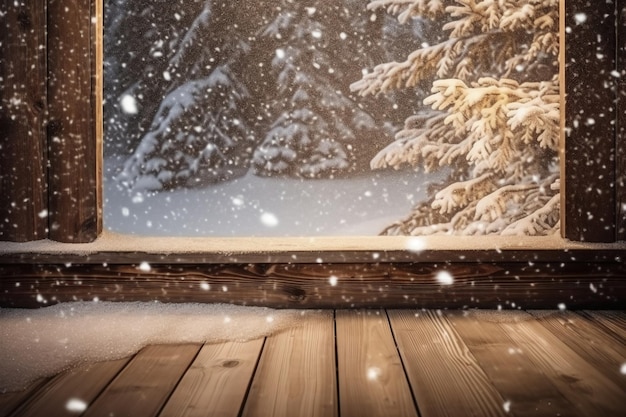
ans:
x=52 y=161
x=221 y=121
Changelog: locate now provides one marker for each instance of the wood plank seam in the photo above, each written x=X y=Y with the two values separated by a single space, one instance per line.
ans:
x=336 y=362
x=180 y=378
x=406 y=375
x=242 y=406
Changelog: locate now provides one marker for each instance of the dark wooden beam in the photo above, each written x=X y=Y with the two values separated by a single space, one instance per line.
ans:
x=74 y=98
x=620 y=138
x=392 y=285
x=590 y=183
x=23 y=205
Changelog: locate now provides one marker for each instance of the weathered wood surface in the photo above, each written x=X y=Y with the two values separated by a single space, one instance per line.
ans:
x=588 y=341
x=12 y=402
x=589 y=183
x=582 y=383
x=81 y=385
x=524 y=386
x=491 y=362
x=620 y=139
x=217 y=382
x=74 y=111
x=23 y=192
x=144 y=386
x=445 y=377
x=614 y=321
x=296 y=374
x=371 y=377
x=525 y=285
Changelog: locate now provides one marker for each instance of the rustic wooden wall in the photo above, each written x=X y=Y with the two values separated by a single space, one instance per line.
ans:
x=74 y=99
x=595 y=194
x=620 y=141
x=23 y=194
x=590 y=168
x=538 y=285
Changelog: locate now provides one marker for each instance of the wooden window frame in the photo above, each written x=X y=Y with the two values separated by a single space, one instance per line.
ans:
x=55 y=249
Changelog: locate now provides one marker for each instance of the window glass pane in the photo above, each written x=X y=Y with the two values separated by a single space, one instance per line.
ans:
x=345 y=117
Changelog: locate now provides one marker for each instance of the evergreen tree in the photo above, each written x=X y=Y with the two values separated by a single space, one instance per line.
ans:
x=211 y=88
x=140 y=37
x=494 y=117
x=317 y=126
x=198 y=134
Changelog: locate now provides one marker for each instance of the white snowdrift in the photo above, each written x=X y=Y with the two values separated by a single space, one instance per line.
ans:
x=43 y=342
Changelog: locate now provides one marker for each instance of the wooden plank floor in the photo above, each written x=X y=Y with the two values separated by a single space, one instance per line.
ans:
x=361 y=363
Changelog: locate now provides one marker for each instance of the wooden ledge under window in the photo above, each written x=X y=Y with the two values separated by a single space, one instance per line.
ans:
x=328 y=272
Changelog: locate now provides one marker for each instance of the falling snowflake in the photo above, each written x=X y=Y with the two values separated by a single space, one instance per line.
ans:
x=129 y=104
x=373 y=373
x=75 y=405
x=445 y=278
x=269 y=219
x=415 y=244
x=145 y=267
x=580 y=18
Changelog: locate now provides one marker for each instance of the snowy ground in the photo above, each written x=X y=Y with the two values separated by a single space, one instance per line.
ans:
x=45 y=341
x=258 y=206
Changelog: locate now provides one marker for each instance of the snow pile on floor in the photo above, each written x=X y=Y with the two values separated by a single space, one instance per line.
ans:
x=43 y=342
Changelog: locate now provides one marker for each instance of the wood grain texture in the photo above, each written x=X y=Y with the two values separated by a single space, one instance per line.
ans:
x=217 y=382
x=589 y=183
x=613 y=321
x=372 y=382
x=620 y=137
x=521 y=383
x=73 y=109
x=581 y=383
x=83 y=384
x=144 y=386
x=296 y=375
x=445 y=378
x=11 y=402
x=588 y=341
x=23 y=194
x=527 y=285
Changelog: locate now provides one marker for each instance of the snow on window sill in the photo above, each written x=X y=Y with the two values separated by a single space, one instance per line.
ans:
x=116 y=248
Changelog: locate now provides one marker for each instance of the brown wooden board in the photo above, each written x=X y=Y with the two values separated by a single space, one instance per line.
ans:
x=588 y=341
x=372 y=382
x=620 y=138
x=506 y=285
x=23 y=205
x=11 y=402
x=580 y=382
x=67 y=393
x=445 y=377
x=589 y=183
x=296 y=374
x=521 y=383
x=613 y=321
x=144 y=386
x=217 y=382
x=73 y=109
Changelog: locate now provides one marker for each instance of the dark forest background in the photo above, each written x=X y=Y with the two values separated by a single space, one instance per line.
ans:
x=198 y=92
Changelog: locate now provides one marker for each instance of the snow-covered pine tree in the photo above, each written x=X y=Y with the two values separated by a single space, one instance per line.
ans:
x=199 y=133
x=494 y=118
x=140 y=38
x=318 y=127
